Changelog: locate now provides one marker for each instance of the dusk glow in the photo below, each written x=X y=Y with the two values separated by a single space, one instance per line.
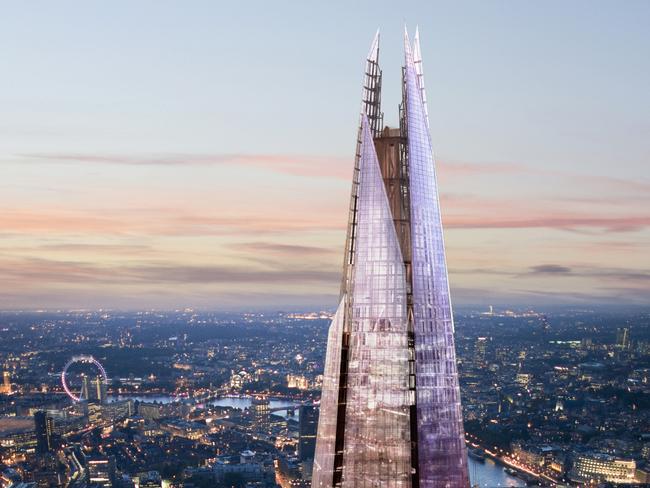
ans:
x=145 y=162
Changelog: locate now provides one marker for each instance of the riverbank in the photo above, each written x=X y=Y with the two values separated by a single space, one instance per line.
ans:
x=523 y=473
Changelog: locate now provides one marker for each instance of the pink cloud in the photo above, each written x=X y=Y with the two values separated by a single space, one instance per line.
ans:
x=550 y=221
x=296 y=165
x=459 y=212
x=155 y=222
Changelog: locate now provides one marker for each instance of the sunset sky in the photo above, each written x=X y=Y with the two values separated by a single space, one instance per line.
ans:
x=160 y=154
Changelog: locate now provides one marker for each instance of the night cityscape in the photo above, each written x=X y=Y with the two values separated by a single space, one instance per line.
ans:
x=209 y=399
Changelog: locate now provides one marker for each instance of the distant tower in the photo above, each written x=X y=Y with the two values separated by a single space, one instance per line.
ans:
x=6 y=383
x=44 y=429
x=307 y=429
x=390 y=412
x=623 y=337
x=480 y=350
x=261 y=412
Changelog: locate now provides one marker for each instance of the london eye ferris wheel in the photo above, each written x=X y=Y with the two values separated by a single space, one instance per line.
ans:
x=65 y=375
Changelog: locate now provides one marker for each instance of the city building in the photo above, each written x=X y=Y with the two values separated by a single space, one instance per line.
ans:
x=307 y=430
x=94 y=412
x=600 y=467
x=117 y=410
x=150 y=479
x=149 y=411
x=623 y=337
x=390 y=412
x=297 y=381
x=523 y=378
x=47 y=476
x=9 y=477
x=182 y=428
x=260 y=407
x=237 y=380
x=246 y=466
x=101 y=470
x=480 y=350
x=6 y=383
x=44 y=428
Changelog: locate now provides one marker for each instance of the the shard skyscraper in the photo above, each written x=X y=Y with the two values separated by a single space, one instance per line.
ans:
x=390 y=412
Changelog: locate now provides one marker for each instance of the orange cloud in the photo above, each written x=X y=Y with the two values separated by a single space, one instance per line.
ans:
x=268 y=239
x=460 y=212
x=549 y=221
x=335 y=167
x=155 y=222
x=297 y=165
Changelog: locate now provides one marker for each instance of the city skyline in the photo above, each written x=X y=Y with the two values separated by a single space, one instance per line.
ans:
x=154 y=156
x=554 y=397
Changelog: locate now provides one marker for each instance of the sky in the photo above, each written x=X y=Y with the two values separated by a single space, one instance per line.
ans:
x=166 y=154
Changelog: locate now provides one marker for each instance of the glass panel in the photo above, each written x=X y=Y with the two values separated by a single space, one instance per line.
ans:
x=324 y=456
x=377 y=451
x=441 y=444
x=417 y=63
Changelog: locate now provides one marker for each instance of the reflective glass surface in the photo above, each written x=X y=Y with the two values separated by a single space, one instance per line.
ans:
x=324 y=456
x=377 y=448
x=441 y=445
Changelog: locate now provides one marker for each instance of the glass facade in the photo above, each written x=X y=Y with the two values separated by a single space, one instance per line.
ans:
x=377 y=448
x=441 y=441
x=390 y=412
x=323 y=472
x=419 y=70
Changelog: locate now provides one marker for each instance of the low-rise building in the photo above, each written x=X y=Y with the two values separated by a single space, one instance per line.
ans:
x=599 y=467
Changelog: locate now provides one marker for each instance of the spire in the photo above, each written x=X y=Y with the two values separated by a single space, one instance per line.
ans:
x=408 y=57
x=373 y=54
x=442 y=457
x=370 y=108
x=417 y=56
x=417 y=61
x=371 y=96
x=413 y=68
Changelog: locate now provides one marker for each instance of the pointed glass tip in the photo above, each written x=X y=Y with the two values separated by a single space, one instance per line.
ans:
x=407 y=46
x=373 y=54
